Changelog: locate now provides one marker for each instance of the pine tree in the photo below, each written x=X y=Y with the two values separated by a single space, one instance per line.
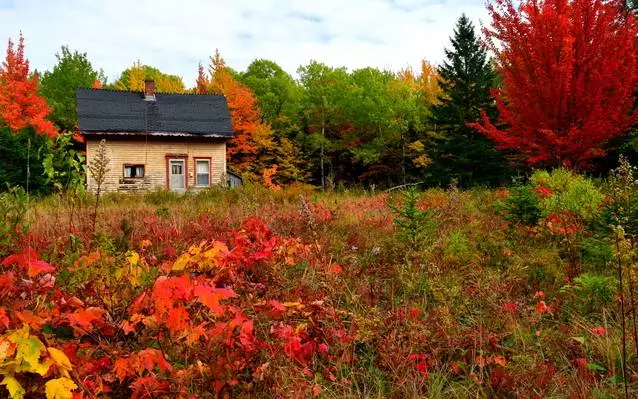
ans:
x=466 y=78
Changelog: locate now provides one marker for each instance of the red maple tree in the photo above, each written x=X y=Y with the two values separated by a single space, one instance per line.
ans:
x=20 y=104
x=569 y=72
x=244 y=111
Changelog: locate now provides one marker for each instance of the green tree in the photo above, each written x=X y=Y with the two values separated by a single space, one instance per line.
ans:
x=278 y=94
x=375 y=138
x=279 y=99
x=73 y=70
x=325 y=91
x=466 y=77
x=21 y=160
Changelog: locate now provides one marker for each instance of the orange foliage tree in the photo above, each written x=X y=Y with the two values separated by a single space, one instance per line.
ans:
x=426 y=83
x=244 y=147
x=429 y=82
x=20 y=104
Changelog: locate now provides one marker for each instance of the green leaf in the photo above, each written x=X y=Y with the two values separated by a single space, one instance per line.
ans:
x=580 y=340
x=596 y=367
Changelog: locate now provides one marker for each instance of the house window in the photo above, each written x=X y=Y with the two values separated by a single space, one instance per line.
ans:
x=202 y=177
x=133 y=171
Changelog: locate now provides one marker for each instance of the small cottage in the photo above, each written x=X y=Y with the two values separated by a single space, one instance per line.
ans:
x=156 y=140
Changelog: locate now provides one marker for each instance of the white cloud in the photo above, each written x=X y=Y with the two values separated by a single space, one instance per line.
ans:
x=175 y=35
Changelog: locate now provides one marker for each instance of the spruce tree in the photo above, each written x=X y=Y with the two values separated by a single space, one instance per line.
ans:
x=459 y=152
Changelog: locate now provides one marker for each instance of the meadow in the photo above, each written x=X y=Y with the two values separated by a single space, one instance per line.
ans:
x=297 y=293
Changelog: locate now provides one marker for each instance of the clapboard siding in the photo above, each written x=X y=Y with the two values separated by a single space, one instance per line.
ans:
x=153 y=155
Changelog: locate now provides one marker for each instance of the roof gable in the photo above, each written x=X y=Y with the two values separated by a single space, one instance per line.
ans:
x=115 y=111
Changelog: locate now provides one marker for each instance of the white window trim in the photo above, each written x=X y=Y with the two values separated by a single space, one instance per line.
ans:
x=131 y=166
x=208 y=161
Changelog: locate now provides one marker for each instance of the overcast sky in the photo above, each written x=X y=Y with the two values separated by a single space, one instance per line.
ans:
x=174 y=35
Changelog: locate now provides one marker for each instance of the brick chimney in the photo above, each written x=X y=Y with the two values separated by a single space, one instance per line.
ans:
x=149 y=89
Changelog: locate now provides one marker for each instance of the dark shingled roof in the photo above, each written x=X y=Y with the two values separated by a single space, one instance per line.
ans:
x=127 y=112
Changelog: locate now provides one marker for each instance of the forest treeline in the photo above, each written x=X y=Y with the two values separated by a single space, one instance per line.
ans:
x=512 y=97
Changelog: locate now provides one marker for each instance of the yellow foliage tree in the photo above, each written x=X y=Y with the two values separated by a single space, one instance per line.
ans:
x=133 y=79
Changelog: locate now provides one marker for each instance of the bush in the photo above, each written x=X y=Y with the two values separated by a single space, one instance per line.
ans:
x=457 y=248
x=16 y=153
x=596 y=253
x=13 y=223
x=413 y=223
x=563 y=191
x=592 y=292
x=521 y=206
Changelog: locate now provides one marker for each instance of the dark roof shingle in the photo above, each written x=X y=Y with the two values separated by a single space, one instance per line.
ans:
x=118 y=111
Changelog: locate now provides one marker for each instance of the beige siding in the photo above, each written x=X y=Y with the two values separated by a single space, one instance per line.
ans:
x=153 y=155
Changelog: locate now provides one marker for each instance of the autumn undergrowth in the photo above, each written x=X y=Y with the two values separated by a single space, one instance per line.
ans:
x=297 y=293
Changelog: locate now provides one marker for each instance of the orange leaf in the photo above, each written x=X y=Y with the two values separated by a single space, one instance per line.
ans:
x=210 y=297
x=500 y=360
x=84 y=318
x=177 y=320
x=122 y=369
x=39 y=267
x=30 y=319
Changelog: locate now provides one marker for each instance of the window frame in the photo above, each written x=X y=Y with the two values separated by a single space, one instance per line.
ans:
x=133 y=165
x=210 y=170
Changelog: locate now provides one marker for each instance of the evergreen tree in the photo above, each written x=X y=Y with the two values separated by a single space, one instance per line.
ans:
x=460 y=152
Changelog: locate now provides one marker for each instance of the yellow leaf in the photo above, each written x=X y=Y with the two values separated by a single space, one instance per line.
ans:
x=293 y=305
x=181 y=262
x=60 y=388
x=119 y=272
x=40 y=368
x=216 y=253
x=13 y=386
x=4 y=350
x=17 y=335
x=133 y=257
x=59 y=358
x=29 y=350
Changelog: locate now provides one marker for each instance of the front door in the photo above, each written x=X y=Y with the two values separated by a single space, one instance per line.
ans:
x=177 y=175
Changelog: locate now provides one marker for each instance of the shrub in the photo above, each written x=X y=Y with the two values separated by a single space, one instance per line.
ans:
x=596 y=253
x=13 y=223
x=457 y=247
x=521 y=206
x=413 y=224
x=562 y=191
x=592 y=292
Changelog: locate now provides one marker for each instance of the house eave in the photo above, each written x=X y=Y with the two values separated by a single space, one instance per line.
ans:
x=157 y=134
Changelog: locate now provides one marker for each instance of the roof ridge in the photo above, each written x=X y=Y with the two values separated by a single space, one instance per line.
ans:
x=141 y=92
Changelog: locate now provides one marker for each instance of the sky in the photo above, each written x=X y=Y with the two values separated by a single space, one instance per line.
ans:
x=175 y=36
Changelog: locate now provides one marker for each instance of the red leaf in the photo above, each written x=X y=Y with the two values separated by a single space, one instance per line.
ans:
x=210 y=297
x=567 y=86
x=39 y=267
x=177 y=320
x=86 y=318
x=246 y=336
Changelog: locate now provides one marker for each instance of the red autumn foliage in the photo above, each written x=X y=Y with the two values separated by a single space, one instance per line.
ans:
x=243 y=308
x=563 y=224
x=20 y=104
x=569 y=73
